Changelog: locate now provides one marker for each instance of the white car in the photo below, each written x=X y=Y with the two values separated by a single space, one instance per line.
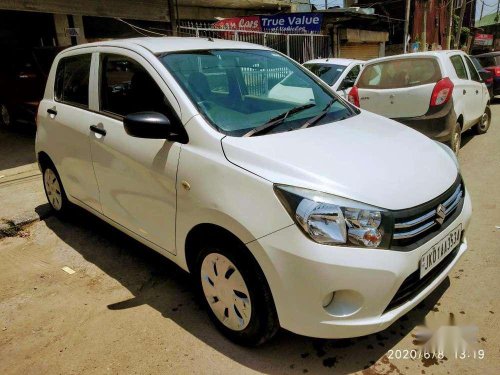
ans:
x=320 y=218
x=339 y=74
x=438 y=93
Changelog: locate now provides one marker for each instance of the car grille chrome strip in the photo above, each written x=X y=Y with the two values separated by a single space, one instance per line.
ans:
x=428 y=220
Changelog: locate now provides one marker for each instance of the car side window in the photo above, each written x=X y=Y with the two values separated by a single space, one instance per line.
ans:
x=353 y=74
x=459 y=66
x=474 y=75
x=72 y=80
x=126 y=87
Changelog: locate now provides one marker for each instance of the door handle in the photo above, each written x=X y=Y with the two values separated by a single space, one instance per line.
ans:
x=97 y=130
x=465 y=91
x=477 y=91
x=52 y=111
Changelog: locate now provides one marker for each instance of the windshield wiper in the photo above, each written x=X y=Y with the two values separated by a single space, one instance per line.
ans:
x=319 y=116
x=275 y=121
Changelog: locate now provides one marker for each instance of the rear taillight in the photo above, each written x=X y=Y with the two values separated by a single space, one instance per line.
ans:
x=353 y=96
x=496 y=71
x=442 y=92
x=488 y=80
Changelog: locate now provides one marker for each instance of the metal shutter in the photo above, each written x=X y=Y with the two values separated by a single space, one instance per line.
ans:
x=361 y=51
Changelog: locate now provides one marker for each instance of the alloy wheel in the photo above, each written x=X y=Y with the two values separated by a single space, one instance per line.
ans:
x=484 y=124
x=226 y=291
x=53 y=189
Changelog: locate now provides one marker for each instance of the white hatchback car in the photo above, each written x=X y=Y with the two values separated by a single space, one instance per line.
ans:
x=438 y=93
x=339 y=74
x=320 y=218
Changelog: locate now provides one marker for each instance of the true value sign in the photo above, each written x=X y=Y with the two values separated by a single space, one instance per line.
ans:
x=287 y=22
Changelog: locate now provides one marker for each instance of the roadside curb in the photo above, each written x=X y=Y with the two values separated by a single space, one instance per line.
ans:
x=10 y=227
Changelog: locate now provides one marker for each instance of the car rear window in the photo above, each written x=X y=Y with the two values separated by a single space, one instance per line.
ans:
x=400 y=73
x=72 y=80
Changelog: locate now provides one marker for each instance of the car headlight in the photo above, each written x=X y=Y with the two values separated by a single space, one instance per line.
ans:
x=332 y=220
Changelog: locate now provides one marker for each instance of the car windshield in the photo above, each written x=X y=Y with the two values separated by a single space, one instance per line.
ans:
x=240 y=90
x=329 y=73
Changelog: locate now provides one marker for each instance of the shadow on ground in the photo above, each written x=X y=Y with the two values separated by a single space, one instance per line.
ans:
x=159 y=283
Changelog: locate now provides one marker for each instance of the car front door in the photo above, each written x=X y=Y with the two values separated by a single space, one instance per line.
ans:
x=136 y=176
x=478 y=89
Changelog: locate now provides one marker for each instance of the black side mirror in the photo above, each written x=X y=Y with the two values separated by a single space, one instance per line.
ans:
x=485 y=75
x=346 y=84
x=152 y=125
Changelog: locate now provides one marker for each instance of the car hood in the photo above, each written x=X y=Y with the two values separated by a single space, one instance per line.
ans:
x=367 y=158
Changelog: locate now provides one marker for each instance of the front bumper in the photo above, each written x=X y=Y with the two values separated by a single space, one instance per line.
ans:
x=302 y=275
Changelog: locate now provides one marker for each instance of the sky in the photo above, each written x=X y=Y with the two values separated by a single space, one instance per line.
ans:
x=490 y=6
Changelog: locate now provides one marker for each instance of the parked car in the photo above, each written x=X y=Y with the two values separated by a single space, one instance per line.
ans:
x=491 y=62
x=438 y=93
x=321 y=218
x=486 y=75
x=23 y=74
x=340 y=74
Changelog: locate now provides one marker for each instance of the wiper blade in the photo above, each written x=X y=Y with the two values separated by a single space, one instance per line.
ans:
x=319 y=116
x=277 y=120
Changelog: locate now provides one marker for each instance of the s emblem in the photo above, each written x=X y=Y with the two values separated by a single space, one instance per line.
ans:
x=440 y=214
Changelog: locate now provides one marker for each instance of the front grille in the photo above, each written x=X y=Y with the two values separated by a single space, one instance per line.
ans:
x=414 y=227
x=413 y=285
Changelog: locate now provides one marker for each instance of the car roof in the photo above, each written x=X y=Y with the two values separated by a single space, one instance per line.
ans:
x=417 y=55
x=336 y=61
x=488 y=54
x=157 y=45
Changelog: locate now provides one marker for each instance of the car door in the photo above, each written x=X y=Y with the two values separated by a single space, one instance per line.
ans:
x=463 y=91
x=136 y=176
x=64 y=122
x=347 y=81
x=478 y=89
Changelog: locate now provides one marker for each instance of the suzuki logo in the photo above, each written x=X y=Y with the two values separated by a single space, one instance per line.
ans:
x=440 y=214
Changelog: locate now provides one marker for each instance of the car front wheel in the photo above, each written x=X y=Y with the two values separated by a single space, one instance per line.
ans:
x=236 y=294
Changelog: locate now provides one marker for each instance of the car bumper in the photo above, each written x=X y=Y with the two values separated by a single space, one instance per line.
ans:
x=302 y=275
x=438 y=123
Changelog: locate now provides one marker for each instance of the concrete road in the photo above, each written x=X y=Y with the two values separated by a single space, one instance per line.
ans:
x=128 y=310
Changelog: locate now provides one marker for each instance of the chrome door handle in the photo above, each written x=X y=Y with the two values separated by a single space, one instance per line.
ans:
x=97 y=130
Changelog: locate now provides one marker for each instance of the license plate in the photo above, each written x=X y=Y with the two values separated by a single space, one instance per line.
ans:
x=439 y=251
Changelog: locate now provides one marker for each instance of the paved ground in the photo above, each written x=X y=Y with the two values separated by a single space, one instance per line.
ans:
x=128 y=310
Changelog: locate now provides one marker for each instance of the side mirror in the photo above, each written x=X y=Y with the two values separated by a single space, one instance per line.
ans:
x=346 y=84
x=485 y=75
x=152 y=125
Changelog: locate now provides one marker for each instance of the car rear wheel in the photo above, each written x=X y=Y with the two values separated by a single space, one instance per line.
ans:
x=484 y=124
x=236 y=294
x=5 y=116
x=54 y=190
x=456 y=138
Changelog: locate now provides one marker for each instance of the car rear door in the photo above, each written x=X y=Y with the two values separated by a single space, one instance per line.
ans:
x=464 y=96
x=63 y=127
x=136 y=176
x=398 y=88
x=478 y=91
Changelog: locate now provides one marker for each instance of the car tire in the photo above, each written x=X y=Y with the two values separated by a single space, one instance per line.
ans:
x=6 y=118
x=54 y=190
x=235 y=293
x=484 y=123
x=456 y=138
